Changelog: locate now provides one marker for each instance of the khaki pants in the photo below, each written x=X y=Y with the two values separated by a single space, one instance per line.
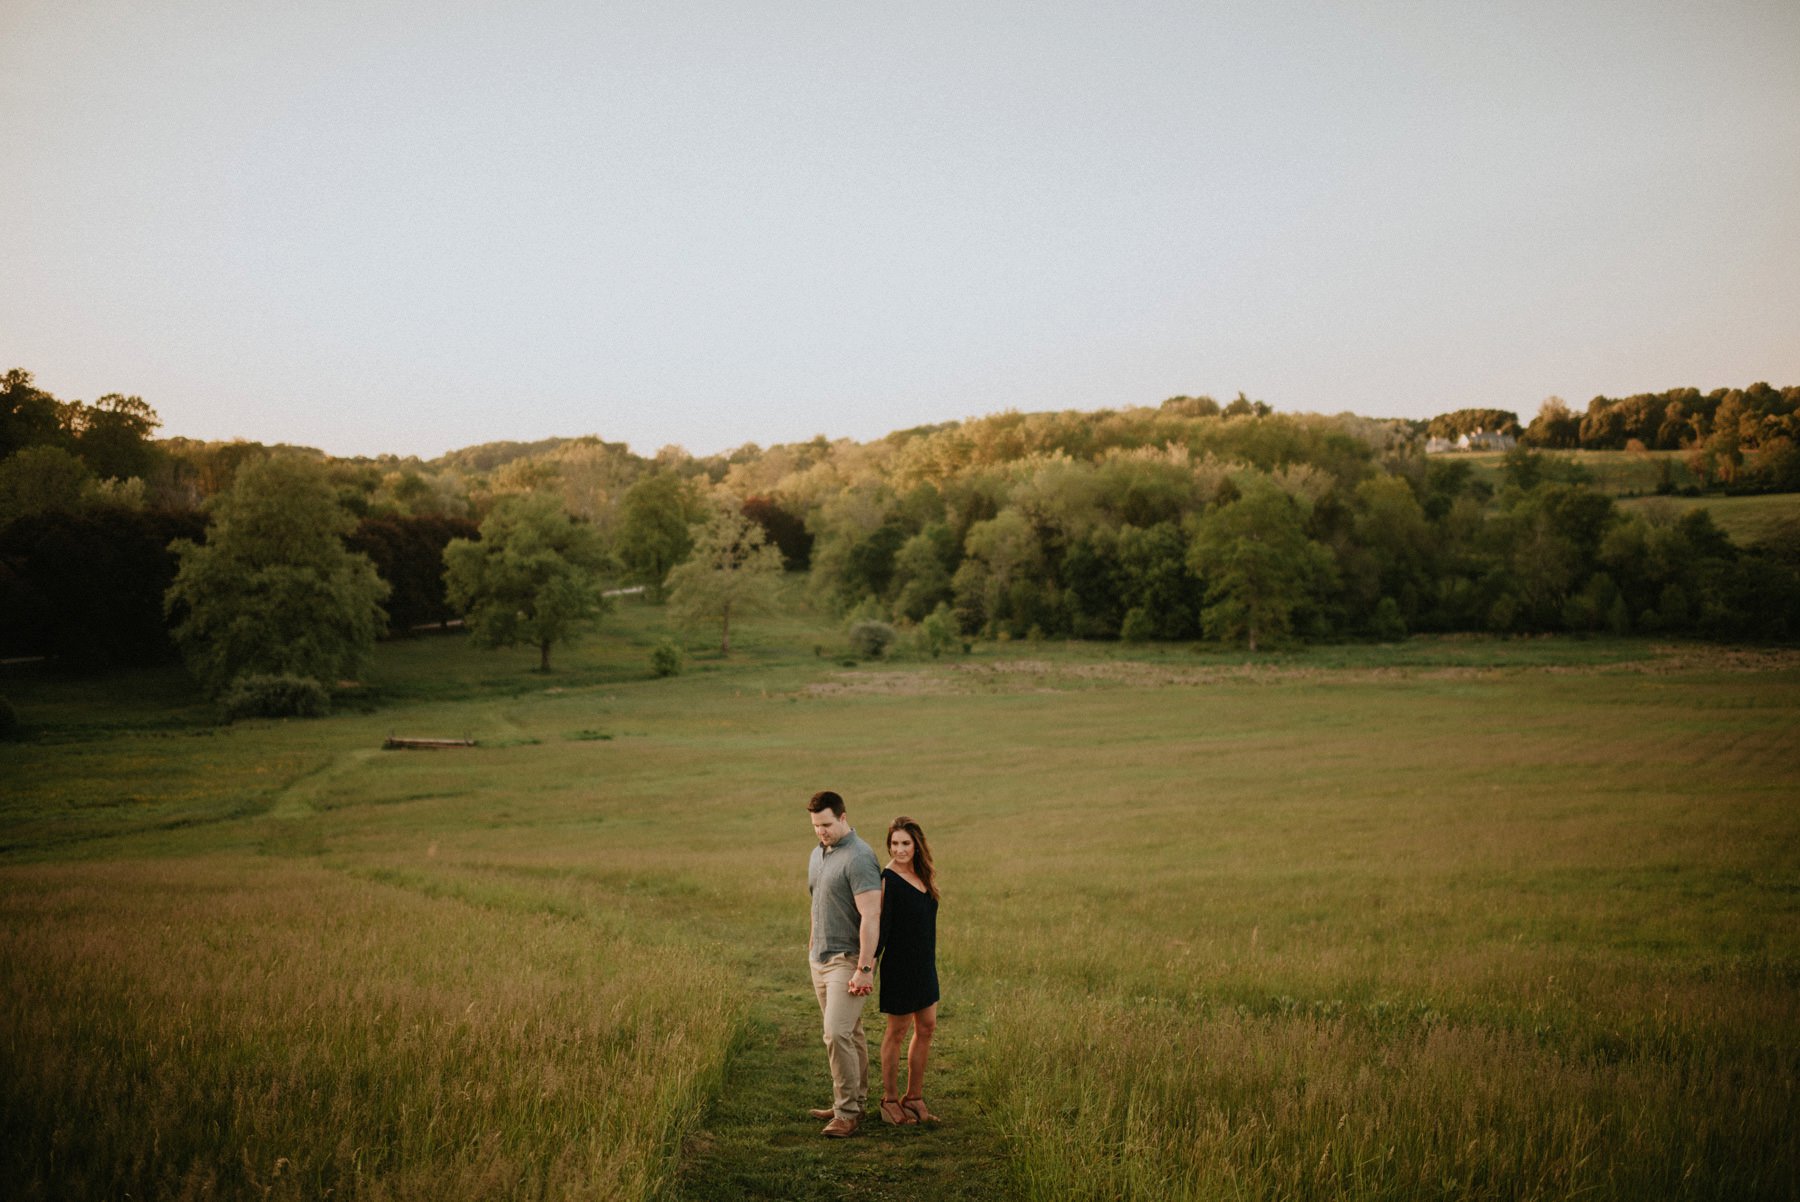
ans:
x=845 y=1045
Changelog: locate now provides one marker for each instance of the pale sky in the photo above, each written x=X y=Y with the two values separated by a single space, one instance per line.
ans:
x=407 y=226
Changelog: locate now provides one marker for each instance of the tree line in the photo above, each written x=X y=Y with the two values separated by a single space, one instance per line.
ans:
x=1182 y=521
x=1739 y=439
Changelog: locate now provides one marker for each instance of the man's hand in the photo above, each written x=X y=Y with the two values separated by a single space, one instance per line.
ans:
x=862 y=984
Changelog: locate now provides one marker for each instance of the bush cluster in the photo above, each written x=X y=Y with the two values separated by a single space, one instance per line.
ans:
x=937 y=633
x=275 y=697
x=870 y=639
x=666 y=658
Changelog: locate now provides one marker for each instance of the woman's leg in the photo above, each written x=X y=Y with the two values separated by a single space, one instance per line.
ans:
x=891 y=1039
x=924 y=1025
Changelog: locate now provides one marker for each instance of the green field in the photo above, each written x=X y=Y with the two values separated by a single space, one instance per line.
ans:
x=1748 y=520
x=1618 y=473
x=1455 y=918
x=1633 y=477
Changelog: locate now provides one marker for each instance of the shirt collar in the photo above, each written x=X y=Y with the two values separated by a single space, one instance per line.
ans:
x=828 y=848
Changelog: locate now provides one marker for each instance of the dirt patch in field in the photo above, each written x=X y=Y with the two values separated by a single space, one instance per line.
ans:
x=882 y=684
x=1677 y=658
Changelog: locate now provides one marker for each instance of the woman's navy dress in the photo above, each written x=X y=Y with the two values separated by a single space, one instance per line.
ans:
x=908 y=946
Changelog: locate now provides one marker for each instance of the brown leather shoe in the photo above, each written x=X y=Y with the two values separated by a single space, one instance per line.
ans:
x=823 y=1113
x=840 y=1128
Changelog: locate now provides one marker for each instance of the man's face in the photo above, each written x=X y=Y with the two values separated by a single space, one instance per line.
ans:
x=829 y=827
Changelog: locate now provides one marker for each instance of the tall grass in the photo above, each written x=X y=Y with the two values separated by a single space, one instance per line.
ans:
x=256 y=1027
x=1398 y=937
x=1456 y=918
x=1114 y=1100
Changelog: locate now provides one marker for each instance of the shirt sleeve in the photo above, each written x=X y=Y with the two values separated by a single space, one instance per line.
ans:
x=865 y=873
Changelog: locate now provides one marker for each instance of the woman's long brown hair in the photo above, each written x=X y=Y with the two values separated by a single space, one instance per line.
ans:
x=921 y=864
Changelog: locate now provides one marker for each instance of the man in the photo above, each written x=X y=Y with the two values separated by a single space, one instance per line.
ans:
x=845 y=883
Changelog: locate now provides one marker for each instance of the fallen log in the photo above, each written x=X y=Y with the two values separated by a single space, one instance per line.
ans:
x=391 y=743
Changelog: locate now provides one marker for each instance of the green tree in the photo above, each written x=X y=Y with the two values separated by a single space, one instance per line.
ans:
x=42 y=479
x=533 y=577
x=1391 y=553
x=655 y=520
x=114 y=438
x=1258 y=563
x=29 y=416
x=922 y=572
x=1556 y=427
x=1090 y=574
x=1003 y=566
x=732 y=571
x=1245 y=407
x=273 y=590
x=1726 y=443
x=1154 y=579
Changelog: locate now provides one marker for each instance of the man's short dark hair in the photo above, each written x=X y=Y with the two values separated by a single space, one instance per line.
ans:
x=825 y=799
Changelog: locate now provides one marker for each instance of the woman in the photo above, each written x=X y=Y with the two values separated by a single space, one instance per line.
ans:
x=908 y=956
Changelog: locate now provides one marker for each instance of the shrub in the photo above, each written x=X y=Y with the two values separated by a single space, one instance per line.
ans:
x=937 y=632
x=275 y=697
x=871 y=639
x=9 y=720
x=667 y=657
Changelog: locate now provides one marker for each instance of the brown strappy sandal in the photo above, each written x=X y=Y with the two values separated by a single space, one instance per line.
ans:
x=893 y=1112
x=917 y=1108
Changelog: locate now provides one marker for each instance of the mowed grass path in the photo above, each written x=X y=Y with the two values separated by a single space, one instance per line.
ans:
x=1459 y=919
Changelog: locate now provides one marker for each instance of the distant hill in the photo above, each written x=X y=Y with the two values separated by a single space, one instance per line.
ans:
x=487 y=456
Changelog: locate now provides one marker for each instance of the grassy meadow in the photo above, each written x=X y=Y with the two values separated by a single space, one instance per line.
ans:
x=1452 y=918
x=1748 y=520
x=1632 y=478
x=1618 y=473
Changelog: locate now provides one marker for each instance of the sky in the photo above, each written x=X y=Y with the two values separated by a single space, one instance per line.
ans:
x=398 y=226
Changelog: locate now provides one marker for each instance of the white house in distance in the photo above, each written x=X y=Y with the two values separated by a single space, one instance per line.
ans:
x=1479 y=440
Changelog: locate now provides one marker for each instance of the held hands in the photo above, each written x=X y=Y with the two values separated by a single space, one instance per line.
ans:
x=862 y=983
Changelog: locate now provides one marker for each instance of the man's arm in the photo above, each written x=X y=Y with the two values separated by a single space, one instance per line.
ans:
x=868 y=907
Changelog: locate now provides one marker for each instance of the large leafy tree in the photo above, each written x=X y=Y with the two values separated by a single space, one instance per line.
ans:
x=42 y=479
x=29 y=416
x=1154 y=577
x=655 y=517
x=533 y=577
x=733 y=571
x=1389 y=554
x=1258 y=563
x=1555 y=426
x=996 y=583
x=114 y=436
x=273 y=589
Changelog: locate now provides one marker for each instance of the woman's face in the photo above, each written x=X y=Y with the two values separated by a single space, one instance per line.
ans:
x=900 y=846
